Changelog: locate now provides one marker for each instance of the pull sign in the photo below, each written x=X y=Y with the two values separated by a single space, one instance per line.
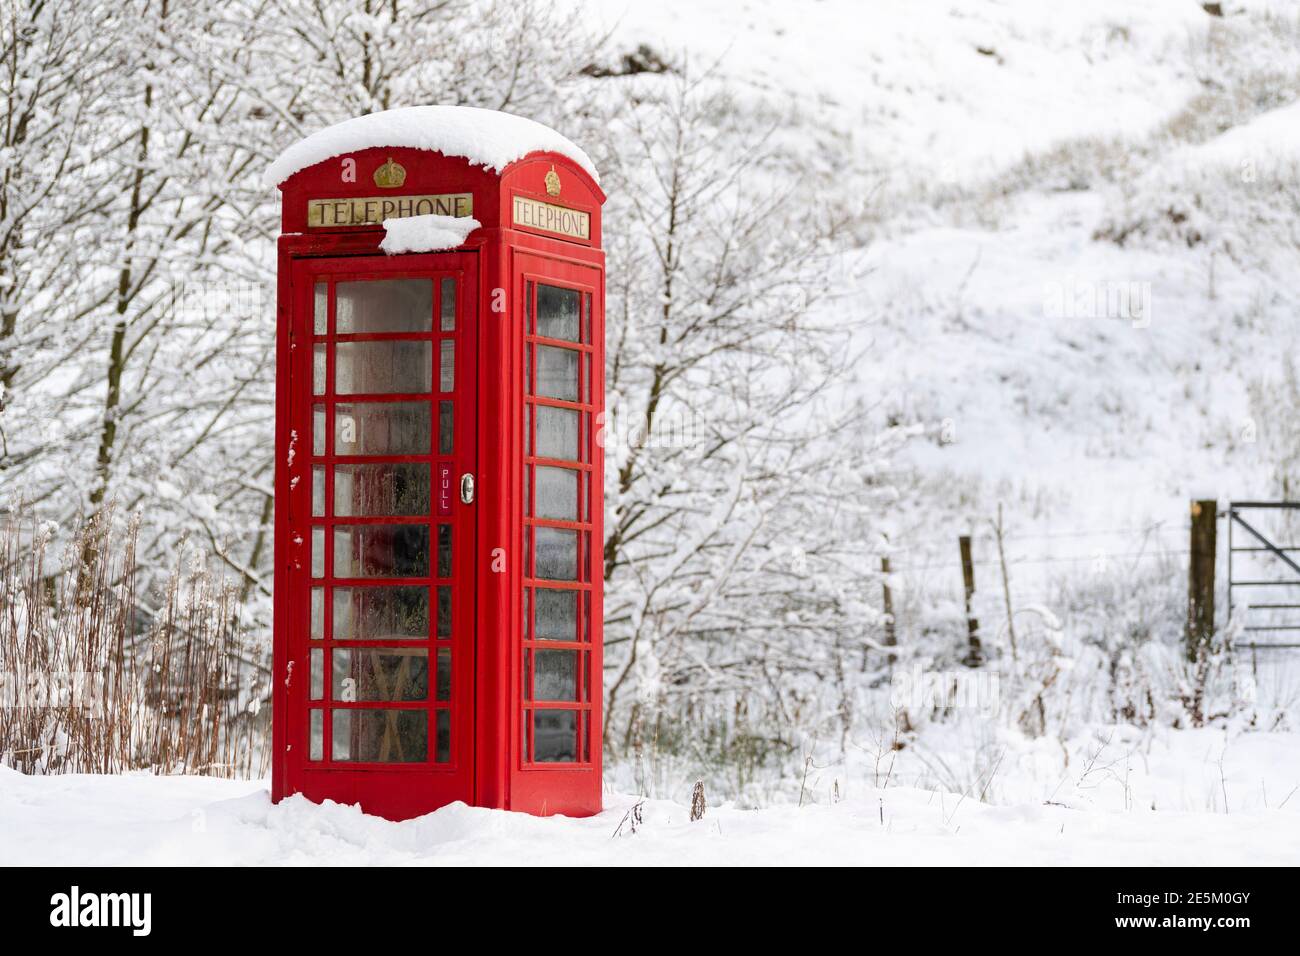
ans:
x=444 y=489
x=467 y=488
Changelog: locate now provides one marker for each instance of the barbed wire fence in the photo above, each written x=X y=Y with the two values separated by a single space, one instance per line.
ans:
x=1024 y=565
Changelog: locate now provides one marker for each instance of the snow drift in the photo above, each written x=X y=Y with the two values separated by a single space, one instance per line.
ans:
x=426 y=233
x=486 y=138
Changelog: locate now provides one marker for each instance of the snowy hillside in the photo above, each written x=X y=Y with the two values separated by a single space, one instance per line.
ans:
x=1078 y=234
x=996 y=144
x=945 y=88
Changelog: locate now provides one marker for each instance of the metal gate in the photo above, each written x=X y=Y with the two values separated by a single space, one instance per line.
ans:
x=1263 y=575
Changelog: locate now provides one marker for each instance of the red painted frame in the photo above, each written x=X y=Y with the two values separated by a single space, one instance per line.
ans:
x=502 y=259
x=532 y=782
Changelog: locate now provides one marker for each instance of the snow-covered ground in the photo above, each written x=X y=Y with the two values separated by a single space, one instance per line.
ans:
x=1181 y=798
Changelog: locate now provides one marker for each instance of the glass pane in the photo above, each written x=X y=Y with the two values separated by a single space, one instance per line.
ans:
x=448 y=305
x=557 y=313
x=554 y=736
x=381 y=489
x=364 y=674
x=556 y=554
x=380 y=736
x=444 y=550
x=318 y=370
x=381 y=613
x=557 y=615
x=555 y=675
x=444 y=611
x=446 y=427
x=362 y=368
x=557 y=433
x=318 y=552
x=443 y=754
x=386 y=305
x=320 y=309
x=444 y=673
x=318 y=430
x=316 y=738
x=382 y=428
x=556 y=493
x=557 y=373
x=380 y=551
x=317 y=613
x=318 y=492
x=447 y=368
x=317 y=674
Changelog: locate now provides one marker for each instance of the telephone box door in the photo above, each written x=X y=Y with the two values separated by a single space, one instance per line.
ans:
x=381 y=635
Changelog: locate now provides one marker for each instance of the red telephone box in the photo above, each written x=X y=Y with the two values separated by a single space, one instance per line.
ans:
x=438 y=483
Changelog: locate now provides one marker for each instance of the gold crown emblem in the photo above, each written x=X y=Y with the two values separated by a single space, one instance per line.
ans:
x=390 y=175
x=552 y=183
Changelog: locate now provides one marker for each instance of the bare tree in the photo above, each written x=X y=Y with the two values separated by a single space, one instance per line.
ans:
x=739 y=488
x=55 y=81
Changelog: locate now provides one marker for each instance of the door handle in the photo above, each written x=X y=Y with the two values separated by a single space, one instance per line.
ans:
x=467 y=488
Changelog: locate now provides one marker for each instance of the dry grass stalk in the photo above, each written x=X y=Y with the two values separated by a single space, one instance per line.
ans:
x=92 y=681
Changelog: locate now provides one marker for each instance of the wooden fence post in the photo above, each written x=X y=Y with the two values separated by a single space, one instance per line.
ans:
x=974 y=655
x=1200 y=578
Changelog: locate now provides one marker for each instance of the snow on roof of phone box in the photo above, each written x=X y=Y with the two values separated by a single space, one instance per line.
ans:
x=484 y=137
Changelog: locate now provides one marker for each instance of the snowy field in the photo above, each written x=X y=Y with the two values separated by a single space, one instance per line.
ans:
x=1192 y=798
